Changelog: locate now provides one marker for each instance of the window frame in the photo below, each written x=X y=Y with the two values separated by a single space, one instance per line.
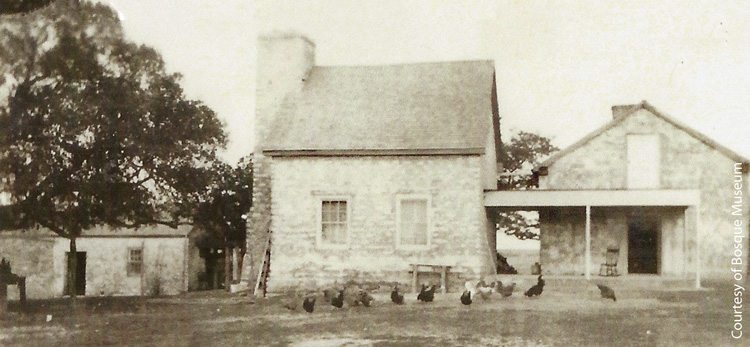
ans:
x=319 y=242
x=129 y=261
x=428 y=214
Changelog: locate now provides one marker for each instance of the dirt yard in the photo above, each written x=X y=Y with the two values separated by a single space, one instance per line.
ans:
x=218 y=319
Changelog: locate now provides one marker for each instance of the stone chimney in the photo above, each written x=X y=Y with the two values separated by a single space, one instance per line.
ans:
x=284 y=62
x=622 y=110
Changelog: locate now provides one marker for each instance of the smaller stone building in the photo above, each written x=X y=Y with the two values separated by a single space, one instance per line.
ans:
x=145 y=261
x=665 y=196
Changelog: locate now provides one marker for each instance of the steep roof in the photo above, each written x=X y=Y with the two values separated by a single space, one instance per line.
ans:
x=427 y=107
x=632 y=110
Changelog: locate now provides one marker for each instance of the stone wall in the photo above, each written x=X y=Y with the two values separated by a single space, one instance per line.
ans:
x=686 y=163
x=284 y=61
x=164 y=265
x=30 y=255
x=41 y=258
x=371 y=185
x=563 y=238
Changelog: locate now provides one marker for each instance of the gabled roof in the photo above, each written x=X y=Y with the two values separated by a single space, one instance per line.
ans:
x=646 y=106
x=423 y=108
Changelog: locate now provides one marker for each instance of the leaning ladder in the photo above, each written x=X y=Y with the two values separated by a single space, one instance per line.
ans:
x=261 y=283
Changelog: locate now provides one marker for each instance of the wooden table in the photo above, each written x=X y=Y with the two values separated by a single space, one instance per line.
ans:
x=443 y=270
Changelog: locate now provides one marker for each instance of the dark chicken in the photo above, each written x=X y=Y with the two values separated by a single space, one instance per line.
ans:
x=537 y=289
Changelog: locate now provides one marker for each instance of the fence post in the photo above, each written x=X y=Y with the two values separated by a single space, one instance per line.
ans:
x=22 y=291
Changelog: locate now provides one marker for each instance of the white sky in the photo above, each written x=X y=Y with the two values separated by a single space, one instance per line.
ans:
x=560 y=65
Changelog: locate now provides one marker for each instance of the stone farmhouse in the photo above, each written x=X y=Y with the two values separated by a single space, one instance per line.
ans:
x=363 y=172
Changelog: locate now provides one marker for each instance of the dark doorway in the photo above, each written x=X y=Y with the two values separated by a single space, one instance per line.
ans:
x=80 y=273
x=643 y=245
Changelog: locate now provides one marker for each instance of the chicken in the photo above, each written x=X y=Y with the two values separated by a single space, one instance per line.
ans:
x=484 y=290
x=537 y=289
x=309 y=303
x=466 y=297
x=396 y=297
x=607 y=292
x=425 y=294
x=365 y=298
x=505 y=291
x=291 y=300
x=338 y=301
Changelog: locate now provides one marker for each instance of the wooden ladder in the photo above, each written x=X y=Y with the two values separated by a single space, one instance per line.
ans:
x=261 y=283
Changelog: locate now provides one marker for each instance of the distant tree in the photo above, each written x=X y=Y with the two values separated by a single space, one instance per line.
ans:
x=223 y=212
x=94 y=131
x=524 y=151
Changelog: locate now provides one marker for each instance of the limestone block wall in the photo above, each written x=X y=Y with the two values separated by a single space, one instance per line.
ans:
x=563 y=239
x=371 y=185
x=686 y=163
x=164 y=265
x=30 y=255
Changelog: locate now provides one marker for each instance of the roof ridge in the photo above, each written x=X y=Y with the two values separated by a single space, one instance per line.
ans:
x=445 y=62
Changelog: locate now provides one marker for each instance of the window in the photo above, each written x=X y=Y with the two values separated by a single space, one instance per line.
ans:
x=413 y=222
x=135 y=261
x=643 y=161
x=334 y=222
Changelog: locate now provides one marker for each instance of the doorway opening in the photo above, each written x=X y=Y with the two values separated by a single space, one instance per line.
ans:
x=80 y=273
x=643 y=245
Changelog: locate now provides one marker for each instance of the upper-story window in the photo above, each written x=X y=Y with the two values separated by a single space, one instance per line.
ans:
x=644 y=161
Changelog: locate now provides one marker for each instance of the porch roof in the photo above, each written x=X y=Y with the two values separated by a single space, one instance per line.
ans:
x=548 y=198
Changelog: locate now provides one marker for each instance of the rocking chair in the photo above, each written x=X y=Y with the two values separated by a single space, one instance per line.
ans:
x=609 y=268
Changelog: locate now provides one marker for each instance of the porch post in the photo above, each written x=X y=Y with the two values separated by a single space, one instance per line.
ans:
x=697 y=246
x=588 y=242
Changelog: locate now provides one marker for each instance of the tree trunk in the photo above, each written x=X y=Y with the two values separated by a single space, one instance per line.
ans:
x=227 y=267
x=3 y=297
x=72 y=270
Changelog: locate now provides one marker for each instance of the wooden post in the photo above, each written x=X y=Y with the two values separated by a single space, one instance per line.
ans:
x=235 y=264
x=588 y=242
x=444 y=279
x=414 y=278
x=22 y=291
x=3 y=296
x=697 y=246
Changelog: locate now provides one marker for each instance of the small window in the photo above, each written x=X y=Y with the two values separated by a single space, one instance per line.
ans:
x=334 y=222
x=135 y=261
x=413 y=222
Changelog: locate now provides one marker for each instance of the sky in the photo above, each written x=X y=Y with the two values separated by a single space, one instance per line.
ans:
x=560 y=65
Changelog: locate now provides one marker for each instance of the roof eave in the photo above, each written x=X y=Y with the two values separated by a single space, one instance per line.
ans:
x=371 y=152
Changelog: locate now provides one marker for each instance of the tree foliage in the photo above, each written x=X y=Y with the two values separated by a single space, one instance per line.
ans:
x=524 y=151
x=224 y=212
x=94 y=130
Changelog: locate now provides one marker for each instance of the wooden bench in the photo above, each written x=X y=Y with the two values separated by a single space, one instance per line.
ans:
x=443 y=270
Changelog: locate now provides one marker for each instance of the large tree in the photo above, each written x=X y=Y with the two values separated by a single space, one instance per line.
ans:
x=223 y=213
x=94 y=130
x=524 y=151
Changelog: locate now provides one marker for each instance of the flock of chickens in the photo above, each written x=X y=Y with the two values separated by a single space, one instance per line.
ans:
x=353 y=295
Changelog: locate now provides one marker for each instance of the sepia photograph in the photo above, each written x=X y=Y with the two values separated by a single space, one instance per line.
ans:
x=333 y=173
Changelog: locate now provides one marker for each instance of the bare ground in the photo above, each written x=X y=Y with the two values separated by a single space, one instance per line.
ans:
x=682 y=318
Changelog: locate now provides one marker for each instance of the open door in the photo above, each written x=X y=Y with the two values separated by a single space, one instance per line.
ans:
x=643 y=246
x=80 y=273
